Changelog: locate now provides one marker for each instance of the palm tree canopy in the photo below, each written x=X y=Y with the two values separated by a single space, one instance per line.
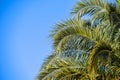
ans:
x=86 y=49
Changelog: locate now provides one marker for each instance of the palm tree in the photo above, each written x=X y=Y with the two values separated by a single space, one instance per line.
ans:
x=86 y=49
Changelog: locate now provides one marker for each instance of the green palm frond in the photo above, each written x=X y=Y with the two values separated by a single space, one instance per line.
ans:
x=70 y=64
x=68 y=23
x=90 y=7
x=102 y=56
x=100 y=53
x=48 y=60
x=113 y=72
x=62 y=27
x=108 y=73
x=118 y=1
x=69 y=30
x=98 y=10
x=78 y=43
x=101 y=50
x=76 y=28
x=116 y=43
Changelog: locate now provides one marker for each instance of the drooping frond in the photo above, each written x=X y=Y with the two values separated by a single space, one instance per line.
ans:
x=101 y=50
x=108 y=73
x=78 y=43
x=48 y=60
x=118 y=1
x=93 y=34
x=69 y=31
x=69 y=65
x=98 y=9
x=116 y=43
x=89 y=6
x=113 y=72
x=92 y=7
x=76 y=28
x=62 y=27
x=67 y=25
x=101 y=59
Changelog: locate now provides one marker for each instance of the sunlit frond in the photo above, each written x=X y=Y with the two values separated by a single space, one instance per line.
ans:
x=97 y=9
x=68 y=65
x=79 y=29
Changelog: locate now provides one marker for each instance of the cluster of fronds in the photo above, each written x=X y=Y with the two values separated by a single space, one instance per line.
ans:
x=86 y=49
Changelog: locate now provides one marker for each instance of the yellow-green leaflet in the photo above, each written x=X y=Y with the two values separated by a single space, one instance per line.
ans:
x=118 y=1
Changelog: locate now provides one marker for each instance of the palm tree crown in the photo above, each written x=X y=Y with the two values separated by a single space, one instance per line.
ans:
x=86 y=49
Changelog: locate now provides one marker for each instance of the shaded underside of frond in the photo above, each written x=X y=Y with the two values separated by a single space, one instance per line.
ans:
x=101 y=60
x=101 y=50
x=78 y=43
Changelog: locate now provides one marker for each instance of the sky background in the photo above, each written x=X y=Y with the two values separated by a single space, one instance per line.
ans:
x=24 y=29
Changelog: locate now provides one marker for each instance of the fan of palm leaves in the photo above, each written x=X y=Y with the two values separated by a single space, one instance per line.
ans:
x=86 y=49
x=100 y=10
x=69 y=65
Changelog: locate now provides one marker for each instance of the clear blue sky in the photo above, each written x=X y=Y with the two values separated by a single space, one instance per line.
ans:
x=24 y=29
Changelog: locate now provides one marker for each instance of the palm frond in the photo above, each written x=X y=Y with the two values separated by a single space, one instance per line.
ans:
x=70 y=64
x=76 y=28
x=77 y=43
x=89 y=7
x=102 y=56
x=118 y=1
x=98 y=10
